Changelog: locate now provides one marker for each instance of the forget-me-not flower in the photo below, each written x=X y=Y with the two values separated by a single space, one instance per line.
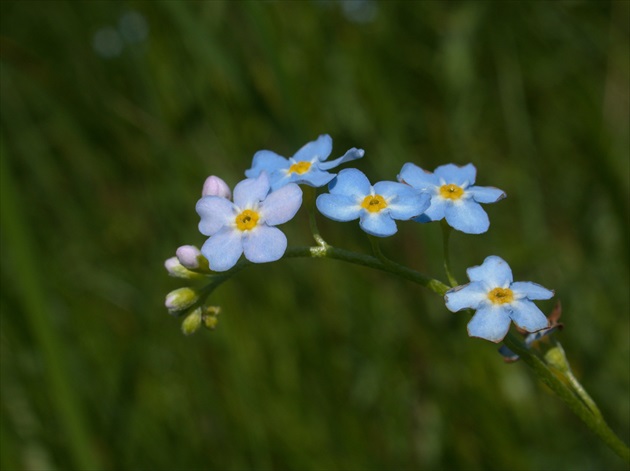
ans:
x=453 y=195
x=247 y=224
x=307 y=166
x=498 y=300
x=352 y=197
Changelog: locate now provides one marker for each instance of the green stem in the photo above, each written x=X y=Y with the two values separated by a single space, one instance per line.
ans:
x=335 y=253
x=574 y=399
x=446 y=233
x=309 y=202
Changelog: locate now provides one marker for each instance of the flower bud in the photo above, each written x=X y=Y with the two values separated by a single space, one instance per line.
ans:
x=191 y=258
x=210 y=317
x=191 y=324
x=176 y=269
x=214 y=186
x=180 y=299
x=556 y=358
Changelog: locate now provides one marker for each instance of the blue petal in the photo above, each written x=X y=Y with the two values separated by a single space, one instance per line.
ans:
x=350 y=182
x=266 y=160
x=421 y=179
x=508 y=354
x=318 y=150
x=494 y=271
x=281 y=205
x=490 y=323
x=390 y=189
x=470 y=296
x=527 y=316
x=338 y=207
x=264 y=244
x=215 y=213
x=531 y=338
x=467 y=216
x=422 y=219
x=486 y=194
x=279 y=178
x=529 y=290
x=403 y=201
x=315 y=178
x=352 y=154
x=437 y=209
x=378 y=224
x=223 y=249
x=251 y=191
x=451 y=173
x=408 y=207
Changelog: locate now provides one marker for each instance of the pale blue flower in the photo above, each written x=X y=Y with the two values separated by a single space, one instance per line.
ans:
x=247 y=224
x=453 y=195
x=498 y=300
x=352 y=197
x=307 y=166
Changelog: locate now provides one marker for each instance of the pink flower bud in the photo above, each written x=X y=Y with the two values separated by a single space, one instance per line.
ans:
x=214 y=186
x=189 y=256
x=176 y=269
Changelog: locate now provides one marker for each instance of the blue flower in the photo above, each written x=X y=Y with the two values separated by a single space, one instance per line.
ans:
x=453 y=195
x=307 y=166
x=246 y=225
x=352 y=197
x=498 y=300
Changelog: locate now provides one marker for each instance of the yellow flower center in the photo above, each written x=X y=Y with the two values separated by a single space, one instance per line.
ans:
x=451 y=192
x=501 y=295
x=300 y=168
x=374 y=203
x=247 y=220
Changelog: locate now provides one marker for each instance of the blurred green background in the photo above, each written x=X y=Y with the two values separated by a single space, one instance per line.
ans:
x=113 y=114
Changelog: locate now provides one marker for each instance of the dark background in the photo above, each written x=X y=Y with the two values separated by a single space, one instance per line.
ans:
x=113 y=114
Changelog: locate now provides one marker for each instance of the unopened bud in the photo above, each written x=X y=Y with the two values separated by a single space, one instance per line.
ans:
x=210 y=319
x=214 y=186
x=191 y=258
x=191 y=324
x=180 y=299
x=556 y=358
x=176 y=269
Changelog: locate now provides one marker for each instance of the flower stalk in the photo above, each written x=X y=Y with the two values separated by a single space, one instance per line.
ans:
x=270 y=196
x=571 y=392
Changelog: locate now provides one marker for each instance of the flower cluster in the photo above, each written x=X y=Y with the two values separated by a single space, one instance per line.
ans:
x=243 y=222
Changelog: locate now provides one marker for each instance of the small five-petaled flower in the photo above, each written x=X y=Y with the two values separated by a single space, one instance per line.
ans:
x=308 y=166
x=247 y=224
x=498 y=300
x=352 y=197
x=453 y=195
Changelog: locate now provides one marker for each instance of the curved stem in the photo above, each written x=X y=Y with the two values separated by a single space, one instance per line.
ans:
x=335 y=253
x=572 y=398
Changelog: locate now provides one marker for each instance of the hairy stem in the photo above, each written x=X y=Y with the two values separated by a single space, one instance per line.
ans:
x=572 y=397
